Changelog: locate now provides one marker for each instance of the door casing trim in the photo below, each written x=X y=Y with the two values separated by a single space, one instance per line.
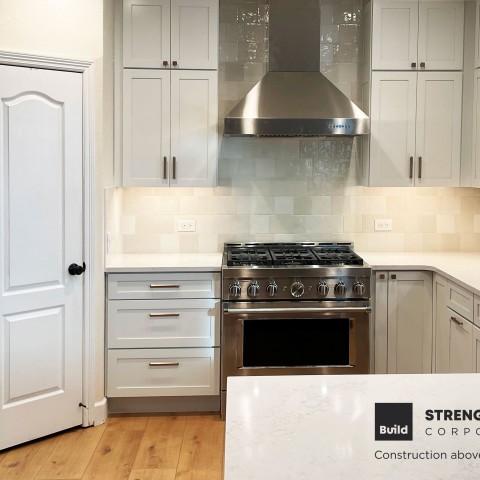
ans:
x=86 y=68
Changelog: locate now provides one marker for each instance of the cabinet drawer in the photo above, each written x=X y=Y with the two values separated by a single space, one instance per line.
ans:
x=136 y=286
x=163 y=323
x=460 y=300
x=169 y=372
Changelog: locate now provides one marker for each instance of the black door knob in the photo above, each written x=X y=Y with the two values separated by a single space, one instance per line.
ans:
x=75 y=269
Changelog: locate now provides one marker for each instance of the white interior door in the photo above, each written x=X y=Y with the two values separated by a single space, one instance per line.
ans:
x=41 y=234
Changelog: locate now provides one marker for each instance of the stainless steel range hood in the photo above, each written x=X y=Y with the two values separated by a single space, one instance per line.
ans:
x=294 y=98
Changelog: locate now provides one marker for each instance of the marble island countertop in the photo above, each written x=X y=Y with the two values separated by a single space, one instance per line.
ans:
x=323 y=427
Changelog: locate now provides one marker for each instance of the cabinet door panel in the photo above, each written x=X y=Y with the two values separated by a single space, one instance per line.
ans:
x=476 y=130
x=476 y=350
x=395 y=34
x=410 y=322
x=195 y=33
x=194 y=128
x=146 y=127
x=461 y=332
x=146 y=33
x=440 y=35
x=442 y=326
x=439 y=117
x=477 y=35
x=392 y=128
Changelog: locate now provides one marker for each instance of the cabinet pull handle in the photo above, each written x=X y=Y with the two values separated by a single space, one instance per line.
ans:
x=165 y=63
x=155 y=315
x=422 y=64
x=419 y=167
x=411 y=167
x=382 y=276
x=164 y=168
x=458 y=322
x=164 y=364
x=174 y=168
x=393 y=277
x=175 y=63
x=414 y=64
x=165 y=285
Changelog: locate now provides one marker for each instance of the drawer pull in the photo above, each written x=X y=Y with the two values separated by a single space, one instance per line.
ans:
x=153 y=315
x=458 y=322
x=165 y=285
x=164 y=364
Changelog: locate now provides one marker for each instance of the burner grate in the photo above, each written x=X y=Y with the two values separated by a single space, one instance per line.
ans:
x=247 y=256
x=293 y=256
x=337 y=256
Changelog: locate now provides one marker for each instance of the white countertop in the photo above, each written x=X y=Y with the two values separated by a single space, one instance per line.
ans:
x=462 y=268
x=457 y=266
x=323 y=427
x=172 y=262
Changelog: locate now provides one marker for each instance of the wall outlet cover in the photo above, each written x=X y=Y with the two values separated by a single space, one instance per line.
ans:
x=186 y=226
x=383 y=224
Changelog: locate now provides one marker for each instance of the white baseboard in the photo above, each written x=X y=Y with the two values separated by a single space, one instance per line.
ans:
x=100 y=412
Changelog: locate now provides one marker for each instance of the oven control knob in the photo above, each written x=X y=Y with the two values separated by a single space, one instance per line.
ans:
x=272 y=289
x=340 y=289
x=358 y=288
x=253 y=289
x=323 y=289
x=297 y=289
x=235 y=289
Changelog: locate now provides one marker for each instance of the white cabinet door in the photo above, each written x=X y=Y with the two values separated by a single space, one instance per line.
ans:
x=477 y=35
x=476 y=131
x=425 y=35
x=194 y=128
x=410 y=324
x=146 y=33
x=194 y=34
x=146 y=127
x=440 y=35
x=461 y=334
x=392 y=137
x=170 y=34
x=394 y=35
x=415 y=134
x=442 y=325
x=438 y=128
x=476 y=350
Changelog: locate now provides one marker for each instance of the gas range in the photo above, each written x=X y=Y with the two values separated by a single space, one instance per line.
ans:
x=294 y=271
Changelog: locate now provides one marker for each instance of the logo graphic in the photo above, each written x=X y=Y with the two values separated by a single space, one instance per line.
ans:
x=393 y=421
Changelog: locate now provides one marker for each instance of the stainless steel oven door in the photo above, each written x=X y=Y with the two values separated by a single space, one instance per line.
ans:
x=293 y=338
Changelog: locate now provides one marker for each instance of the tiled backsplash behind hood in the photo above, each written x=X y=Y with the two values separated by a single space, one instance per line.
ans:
x=290 y=189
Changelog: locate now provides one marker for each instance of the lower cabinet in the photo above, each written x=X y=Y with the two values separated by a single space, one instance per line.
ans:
x=456 y=337
x=403 y=322
x=163 y=334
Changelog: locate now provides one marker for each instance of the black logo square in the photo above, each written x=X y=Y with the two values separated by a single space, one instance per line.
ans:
x=394 y=421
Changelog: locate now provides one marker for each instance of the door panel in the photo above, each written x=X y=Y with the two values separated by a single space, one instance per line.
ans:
x=41 y=234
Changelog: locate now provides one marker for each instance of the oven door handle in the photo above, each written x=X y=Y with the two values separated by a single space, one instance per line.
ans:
x=299 y=310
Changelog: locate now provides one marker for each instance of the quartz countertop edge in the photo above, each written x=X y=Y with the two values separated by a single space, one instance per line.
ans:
x=163 y=262
x=459 y=267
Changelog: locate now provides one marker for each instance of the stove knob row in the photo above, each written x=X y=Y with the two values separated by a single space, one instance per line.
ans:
x=340 y=289
x=323 y=289
x=235 y=289
x=253 y=289
x=297 y=289
x=358 y=288
x=272 y=289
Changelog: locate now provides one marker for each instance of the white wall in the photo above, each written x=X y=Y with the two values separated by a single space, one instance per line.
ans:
x=71 y=29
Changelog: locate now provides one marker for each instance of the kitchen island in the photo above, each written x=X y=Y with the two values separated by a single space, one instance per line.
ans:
x=324 y=427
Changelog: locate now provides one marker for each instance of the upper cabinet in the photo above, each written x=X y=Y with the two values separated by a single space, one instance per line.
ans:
x=417 y=35
x=415 y=129
x=170 y=34
x=477 y=35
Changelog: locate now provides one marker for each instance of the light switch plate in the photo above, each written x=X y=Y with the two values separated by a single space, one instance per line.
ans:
x=383 y=224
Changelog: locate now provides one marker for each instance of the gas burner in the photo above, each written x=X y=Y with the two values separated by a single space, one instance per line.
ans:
x=285 y=255
x=248 y=256
x=336 y=256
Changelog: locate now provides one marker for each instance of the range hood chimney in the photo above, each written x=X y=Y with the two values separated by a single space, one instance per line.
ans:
x=294 y=99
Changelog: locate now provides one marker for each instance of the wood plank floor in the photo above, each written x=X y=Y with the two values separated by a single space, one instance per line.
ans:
x=126 y=447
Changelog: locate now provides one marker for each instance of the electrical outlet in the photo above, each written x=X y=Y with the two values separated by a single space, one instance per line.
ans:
x=383 y=224
x=186 y=226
